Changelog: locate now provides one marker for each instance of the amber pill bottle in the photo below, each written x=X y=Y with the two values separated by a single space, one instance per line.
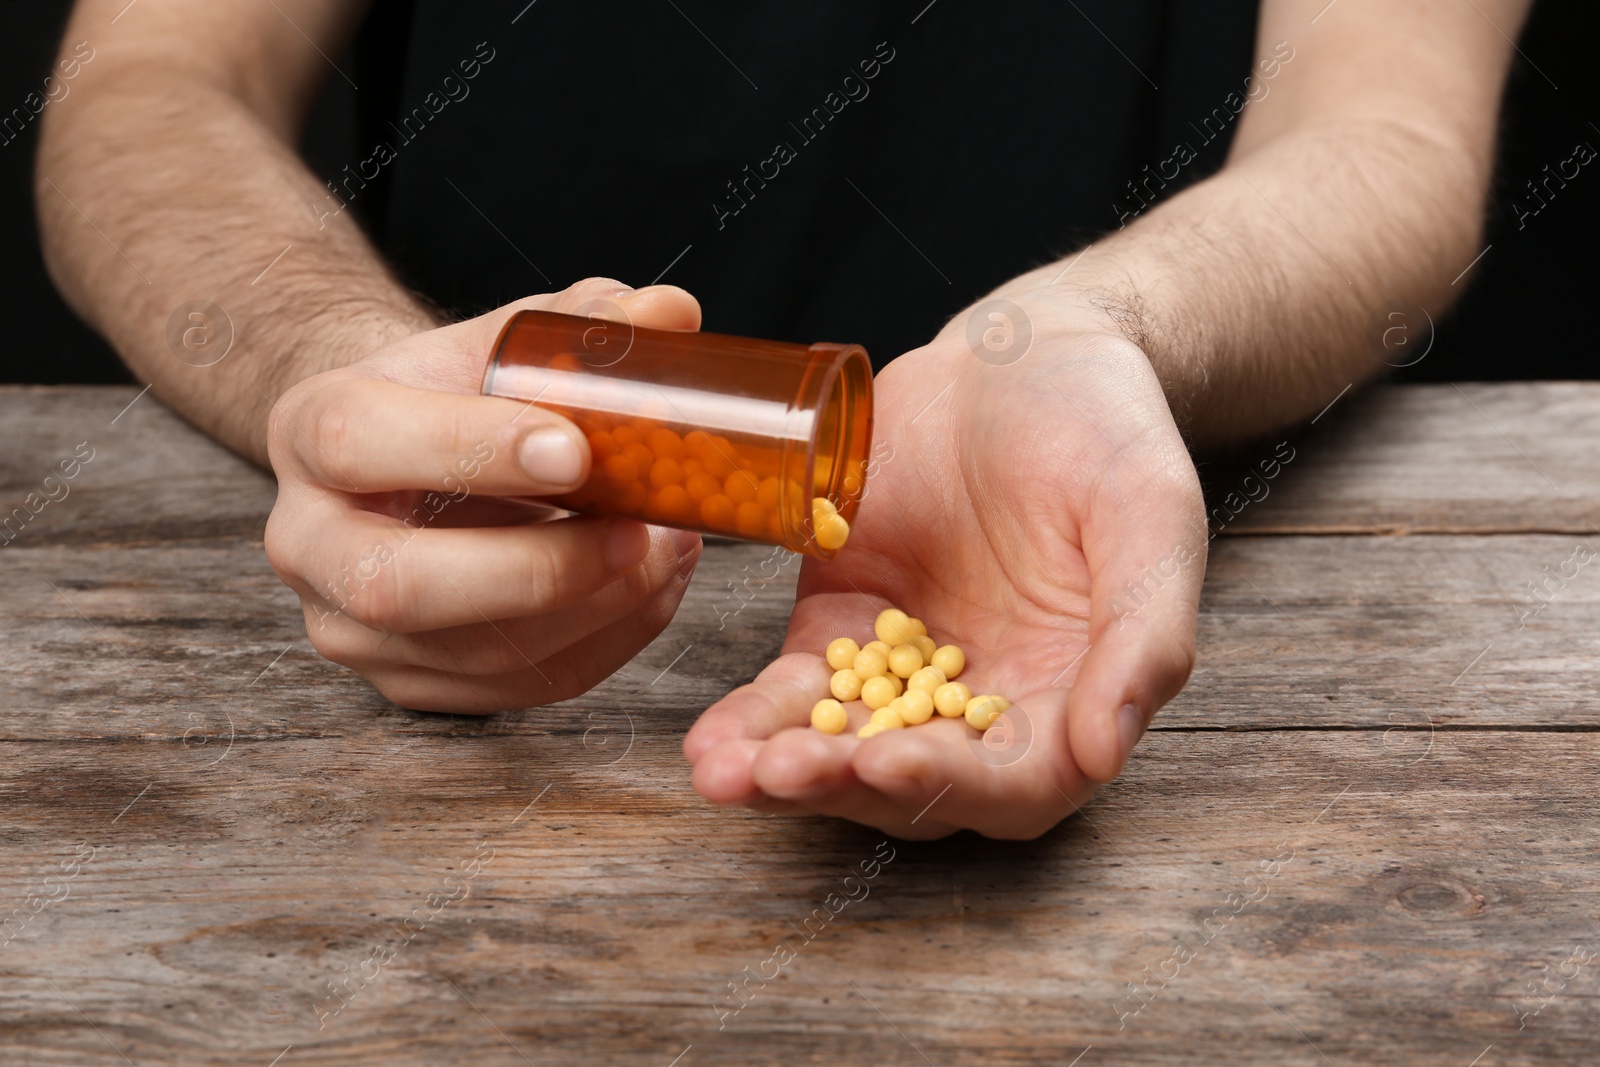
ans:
x=730 y=436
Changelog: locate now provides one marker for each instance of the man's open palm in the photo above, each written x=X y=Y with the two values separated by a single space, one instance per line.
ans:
x=1013 y=501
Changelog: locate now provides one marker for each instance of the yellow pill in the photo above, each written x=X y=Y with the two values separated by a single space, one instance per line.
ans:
x=842 y=653
x=926 y=680
x=925 y=645
x=869 y=663
x=893 y=627
x=872 y=729
x=888 y=718
x=767 y=493
x=982 y=711
x=821 y=506
x=880 y=646
x=877 y=692
x=829 y=717
x=905 y=660
x=845 y=685
x=950 y=699
x=832 y=532
x=917 y=627
x=949 y=659
x=915 y=706
x=896 y=681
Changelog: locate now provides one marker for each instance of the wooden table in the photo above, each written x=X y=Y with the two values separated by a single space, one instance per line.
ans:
x=1363 y=835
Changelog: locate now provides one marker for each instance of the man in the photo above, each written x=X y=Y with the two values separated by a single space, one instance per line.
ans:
x=1035 y=483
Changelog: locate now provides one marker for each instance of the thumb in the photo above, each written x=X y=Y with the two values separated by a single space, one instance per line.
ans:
x=465 y=348
x=1147 y=555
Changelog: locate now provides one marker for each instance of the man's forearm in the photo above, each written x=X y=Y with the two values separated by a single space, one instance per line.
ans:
x=156 y=189
x=1354 y=187
x=1254 y=292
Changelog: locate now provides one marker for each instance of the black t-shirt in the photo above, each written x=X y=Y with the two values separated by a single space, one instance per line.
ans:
x=841 y=170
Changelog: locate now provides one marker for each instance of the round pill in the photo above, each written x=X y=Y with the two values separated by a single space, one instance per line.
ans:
x=602 y=446
x=845 y=685
x=821 y=506
x=891 y=627
x=914 y=706
x=925 y=645
x=950 y=659
x=870 y=663
x=888 y=718
x=740 y=487
x=665 y=472
x=672 y=504
x=842 y=653
x=833 y=532
x=877 y=692
x=620 y=470
x=926 y=680
x=917 y=626
x=880 y=646
x=829 y=717
x=642 y=457
x=767 y=493
x=626 y=435
x=665 y=443
x=982 y=711
x=717 y=512
x=750 y=519
x=872 y=729
x=950 y=699
x=905 y=660
x=702 y=486
x=718 y=461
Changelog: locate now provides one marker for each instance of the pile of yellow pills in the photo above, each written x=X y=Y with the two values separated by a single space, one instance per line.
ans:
x=903 y=677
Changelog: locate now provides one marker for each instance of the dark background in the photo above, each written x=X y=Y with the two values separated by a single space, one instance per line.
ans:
x=1525 y=314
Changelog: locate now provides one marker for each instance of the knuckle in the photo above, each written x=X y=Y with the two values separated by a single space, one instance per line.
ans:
x=334 y=643
x=332 y=433
x=589 y=286
x=379 y=601
x=548 y=573
x=281 y=420
x=491 y=657
x=312 y=421
x=373 y=608
x=279 y=544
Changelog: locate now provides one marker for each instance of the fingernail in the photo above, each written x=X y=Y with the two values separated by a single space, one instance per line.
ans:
x=1130 y=727
x=687 y=543
x=551 y=456
x=626 y=544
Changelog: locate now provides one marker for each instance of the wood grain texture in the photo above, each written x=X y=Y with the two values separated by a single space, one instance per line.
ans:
x=1419 y=891
x=1363 y=834
x=1469 y=458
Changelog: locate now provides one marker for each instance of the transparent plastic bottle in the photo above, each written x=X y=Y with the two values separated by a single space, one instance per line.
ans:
x=725 y=435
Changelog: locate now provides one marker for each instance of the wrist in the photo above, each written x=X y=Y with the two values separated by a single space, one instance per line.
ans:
x=1090 y=293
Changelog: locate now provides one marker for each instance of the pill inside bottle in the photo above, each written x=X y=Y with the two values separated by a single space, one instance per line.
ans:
x=731 y=436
